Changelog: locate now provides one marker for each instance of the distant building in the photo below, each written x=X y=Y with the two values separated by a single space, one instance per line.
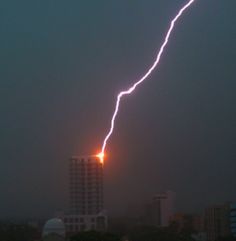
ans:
x=217 y=222
x=198 y=224
x=189 y=223
x=54 y=230
x=233 y=219
x=86 y=195
x=182 y=221
x=160 y=209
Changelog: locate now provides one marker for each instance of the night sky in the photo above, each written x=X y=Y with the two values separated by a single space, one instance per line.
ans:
x=62 y=64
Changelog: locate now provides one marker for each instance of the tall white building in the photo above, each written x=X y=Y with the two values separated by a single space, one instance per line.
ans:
x=86 y=195
x=160 y=209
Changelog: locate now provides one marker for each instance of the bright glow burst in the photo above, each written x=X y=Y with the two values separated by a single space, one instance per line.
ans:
x=133 y=87
x=101 y=156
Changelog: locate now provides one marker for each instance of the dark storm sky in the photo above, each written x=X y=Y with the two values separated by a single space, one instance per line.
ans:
x=61 y=65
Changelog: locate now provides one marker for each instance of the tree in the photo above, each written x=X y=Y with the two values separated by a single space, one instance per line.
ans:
x=95 y=236
x=228 y=238
x=150 y=233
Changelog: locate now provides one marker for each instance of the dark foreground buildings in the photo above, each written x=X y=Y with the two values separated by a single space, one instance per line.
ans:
x=220 y=221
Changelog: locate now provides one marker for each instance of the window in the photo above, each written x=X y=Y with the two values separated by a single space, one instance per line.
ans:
x=82 y=227
x=71 y=227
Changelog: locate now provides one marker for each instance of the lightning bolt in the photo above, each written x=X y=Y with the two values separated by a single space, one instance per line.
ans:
x=101 y=155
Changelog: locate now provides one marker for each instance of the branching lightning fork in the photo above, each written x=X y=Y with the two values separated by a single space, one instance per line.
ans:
x=133 y=87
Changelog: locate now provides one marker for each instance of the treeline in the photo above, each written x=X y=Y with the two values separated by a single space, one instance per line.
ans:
x=18 y=232
x=140 y=233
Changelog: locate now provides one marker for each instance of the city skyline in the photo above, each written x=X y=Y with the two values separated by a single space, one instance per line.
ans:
x=62 y=65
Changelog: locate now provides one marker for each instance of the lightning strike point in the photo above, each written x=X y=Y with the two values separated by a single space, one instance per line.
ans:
x=101 y=156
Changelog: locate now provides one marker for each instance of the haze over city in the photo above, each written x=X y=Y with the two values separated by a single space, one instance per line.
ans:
x=62 y=65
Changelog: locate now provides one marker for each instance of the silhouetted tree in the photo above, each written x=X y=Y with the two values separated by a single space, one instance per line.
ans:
x=151 y=233
x=95 y=236
x=229 y=238
x=14 y=232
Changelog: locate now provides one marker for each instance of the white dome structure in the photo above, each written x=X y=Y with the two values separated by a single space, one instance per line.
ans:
x=54 y=226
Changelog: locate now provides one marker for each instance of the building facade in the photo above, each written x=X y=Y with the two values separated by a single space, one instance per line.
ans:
x=160 y=209
x=217 y=221
x=86 y=211
x=233 y=219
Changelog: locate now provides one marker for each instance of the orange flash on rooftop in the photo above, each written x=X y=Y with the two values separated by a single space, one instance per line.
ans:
x=101 y=156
